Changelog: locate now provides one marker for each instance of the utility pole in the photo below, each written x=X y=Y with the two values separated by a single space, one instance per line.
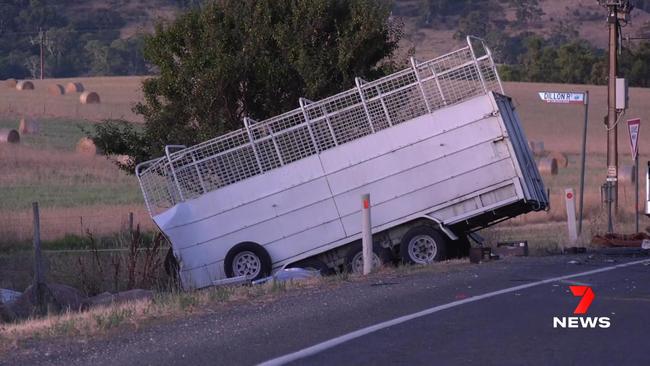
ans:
x=41 y=35
x=617 y=10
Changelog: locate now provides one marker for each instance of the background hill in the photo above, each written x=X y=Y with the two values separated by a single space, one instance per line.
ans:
x=104 y=38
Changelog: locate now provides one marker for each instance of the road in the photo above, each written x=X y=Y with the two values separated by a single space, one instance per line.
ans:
x=500 y=313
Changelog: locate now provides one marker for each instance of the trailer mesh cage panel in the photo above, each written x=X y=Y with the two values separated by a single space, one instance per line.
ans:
x=316 y=126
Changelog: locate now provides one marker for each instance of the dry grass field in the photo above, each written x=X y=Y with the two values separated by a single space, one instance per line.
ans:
x=79 y=193
x=118 y=96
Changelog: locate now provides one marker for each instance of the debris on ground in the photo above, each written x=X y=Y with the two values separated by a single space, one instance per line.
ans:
x=7 y=296
x=622 y=240
x=290 y=274
x=512 y=249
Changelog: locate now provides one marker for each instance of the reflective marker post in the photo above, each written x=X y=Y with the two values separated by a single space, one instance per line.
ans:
x=569 y=198
x=366 y=234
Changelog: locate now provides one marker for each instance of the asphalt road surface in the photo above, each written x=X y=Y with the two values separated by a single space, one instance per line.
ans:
x=500 y=313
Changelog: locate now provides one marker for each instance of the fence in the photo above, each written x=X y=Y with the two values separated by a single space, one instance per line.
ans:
x=17 y=228
x=122 y=262
x=47 y=106
x=186 y=173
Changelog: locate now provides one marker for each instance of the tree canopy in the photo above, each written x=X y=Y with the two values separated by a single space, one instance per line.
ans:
x=231 y=59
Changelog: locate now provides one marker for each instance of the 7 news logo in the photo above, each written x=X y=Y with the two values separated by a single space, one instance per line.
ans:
x=587 y=297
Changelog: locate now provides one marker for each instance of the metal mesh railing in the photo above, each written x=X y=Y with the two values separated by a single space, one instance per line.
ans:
x=317 y=126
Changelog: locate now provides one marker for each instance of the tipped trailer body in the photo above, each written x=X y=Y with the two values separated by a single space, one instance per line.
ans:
x=438 y=147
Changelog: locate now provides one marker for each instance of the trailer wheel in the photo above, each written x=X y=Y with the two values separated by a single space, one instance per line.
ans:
x=248 y=259
x=313 y=264
x=423 y=245
x=354 y=258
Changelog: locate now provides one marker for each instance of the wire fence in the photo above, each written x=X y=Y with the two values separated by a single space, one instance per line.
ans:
x=18 y=228
x=49 y=107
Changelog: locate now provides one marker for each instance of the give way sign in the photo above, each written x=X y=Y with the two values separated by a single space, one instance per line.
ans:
x=633 y=127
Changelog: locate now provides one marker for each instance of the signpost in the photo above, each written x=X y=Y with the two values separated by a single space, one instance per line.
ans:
x=575 y=98
x=633 y=127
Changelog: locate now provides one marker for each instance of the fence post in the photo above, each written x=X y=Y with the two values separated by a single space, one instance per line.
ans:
x=131 y=222
x=39 y=281
x=366 y=235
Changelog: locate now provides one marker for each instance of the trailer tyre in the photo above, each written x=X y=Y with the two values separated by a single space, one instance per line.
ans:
x=354 y=257
x=423 y=245
x=248 y=259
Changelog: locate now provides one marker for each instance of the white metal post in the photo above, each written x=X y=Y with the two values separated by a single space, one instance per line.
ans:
x=417 y=76
x=171 y=167
x=478 y=68
x=302 y=102
x=252 y=142
x=383 y=105
x=366 y=234
x=275 y=143
x=198 y=172
x=358 y=81
x=437 y=79
x=569 y=198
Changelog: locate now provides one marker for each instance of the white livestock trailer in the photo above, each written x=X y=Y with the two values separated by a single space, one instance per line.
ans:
x=437 y=146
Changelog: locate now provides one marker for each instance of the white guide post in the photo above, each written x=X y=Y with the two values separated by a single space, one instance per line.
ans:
x=570 y=199
x=366 y=234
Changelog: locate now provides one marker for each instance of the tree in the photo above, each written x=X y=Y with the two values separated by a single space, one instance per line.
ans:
x=229 y=59
x=526 y=11
x=474 y=24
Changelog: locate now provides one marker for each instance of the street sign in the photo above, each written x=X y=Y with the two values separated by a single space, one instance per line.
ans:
x=563 y=97
x=633 y=127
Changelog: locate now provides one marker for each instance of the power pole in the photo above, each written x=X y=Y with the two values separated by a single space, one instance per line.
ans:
x=41 y=35
x=617 y=10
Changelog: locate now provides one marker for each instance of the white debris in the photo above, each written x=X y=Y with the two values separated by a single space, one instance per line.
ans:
x=7 y=296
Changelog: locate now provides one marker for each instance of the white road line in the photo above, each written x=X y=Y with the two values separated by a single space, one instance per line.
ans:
x=320 y=347
x=571 y=282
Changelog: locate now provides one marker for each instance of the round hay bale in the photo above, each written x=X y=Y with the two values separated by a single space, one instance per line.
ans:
x=123 y=159
x=627 y=174
x=9 y=136
x=537 y=147
x=74 y=88
x=56 y=89
x=25 y=85
x=11 y=83
x=547 y=166
x=86 y=146
x=28 y=126
x=89 y=97
x=562 y=160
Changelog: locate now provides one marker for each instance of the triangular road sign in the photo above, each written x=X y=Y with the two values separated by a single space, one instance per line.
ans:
x=633 y=127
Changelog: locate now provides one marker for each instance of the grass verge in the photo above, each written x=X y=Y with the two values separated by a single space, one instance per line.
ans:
x=172 y=305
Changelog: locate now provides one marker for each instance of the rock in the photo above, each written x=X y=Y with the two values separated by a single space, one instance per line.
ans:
x=107 y=298
x=57 y=298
